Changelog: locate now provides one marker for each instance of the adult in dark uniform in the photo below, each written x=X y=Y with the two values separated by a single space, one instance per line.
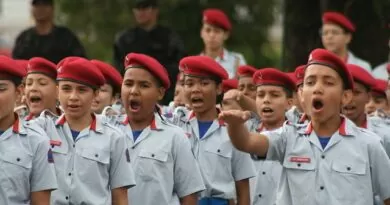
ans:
x=46 y=39
x=152 y=39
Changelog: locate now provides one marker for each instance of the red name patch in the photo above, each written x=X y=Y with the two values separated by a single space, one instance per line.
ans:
x=300 y=159
x=55 y=143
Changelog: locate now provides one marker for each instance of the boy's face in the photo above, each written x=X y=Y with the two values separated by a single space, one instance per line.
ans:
x=8 y=95
x=323 y=93
x=213 y=37
x=356 y=107
x=75 y=98
x=41 y=93
x=272 y=103
x=247 y=87
x=103 y=99
x=376 y=102
x=201 y=93
x=334 y=37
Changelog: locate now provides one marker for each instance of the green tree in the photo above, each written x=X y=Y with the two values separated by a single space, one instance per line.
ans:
x=98 y=21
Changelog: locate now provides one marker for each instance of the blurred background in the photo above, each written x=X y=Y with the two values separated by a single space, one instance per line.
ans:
x=278 y=33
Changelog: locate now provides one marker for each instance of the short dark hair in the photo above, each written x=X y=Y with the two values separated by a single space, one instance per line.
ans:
x=42 y=2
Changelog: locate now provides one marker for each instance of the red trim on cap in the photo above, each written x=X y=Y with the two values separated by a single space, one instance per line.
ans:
x=342 y=128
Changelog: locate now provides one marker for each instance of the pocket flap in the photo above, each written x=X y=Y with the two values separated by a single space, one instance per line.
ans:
x=350 y=166
x=158 y=155
x=101 y=156
x=18 y=158
x=223 y=150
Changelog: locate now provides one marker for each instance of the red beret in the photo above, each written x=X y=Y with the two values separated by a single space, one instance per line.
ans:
x=299 y=74
x=339 y=19
x=360 y=75
x=272 y=76
x=380 y=87
x=246 y=70
x=43 y=66
x=22 y=63
x=136 y=60
x=9 y=68
x=217 y=17
x=111 y=75
x=291 y=75
x=229 y=84
x=80 y=70
x=326 y=58
x=202 y=66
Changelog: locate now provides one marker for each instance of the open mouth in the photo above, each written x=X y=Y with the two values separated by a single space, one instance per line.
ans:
x=196 y=100
x=35 y=99
x=73 y=106
x=349 y=107
x=317 y=104
x=267 y=110
x=135 y=105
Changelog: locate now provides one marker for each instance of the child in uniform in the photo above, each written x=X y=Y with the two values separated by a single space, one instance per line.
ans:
x=92 y=161
x=166 y=170
x=328 y=161
x=27 y=173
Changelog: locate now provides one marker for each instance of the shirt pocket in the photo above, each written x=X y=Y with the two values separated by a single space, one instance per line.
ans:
x=349 y=177
x=217 y=162
x=15 y=169
x=300 y=178
x=151 y=164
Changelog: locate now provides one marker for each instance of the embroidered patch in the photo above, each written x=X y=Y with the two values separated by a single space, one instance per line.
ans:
x=300 y=159
x=55 y=143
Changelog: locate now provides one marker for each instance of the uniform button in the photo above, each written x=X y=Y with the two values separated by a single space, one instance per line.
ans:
x=322 y=187
x=133 y=148
x=263 y=173
x=323 y=156
x=152 y=155
x=74 y=145
x=96 y=155
x=299 y=164
x=18 y=159
x=70 y=174
x=219 y=150
x=349 y=168
x=66 y=197
x=260 y=195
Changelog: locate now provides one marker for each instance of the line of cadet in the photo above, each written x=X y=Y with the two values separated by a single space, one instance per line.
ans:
x=319 y=135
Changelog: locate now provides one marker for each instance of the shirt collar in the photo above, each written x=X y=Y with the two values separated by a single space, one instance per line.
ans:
x=343 y=129
x=17 y=127
x=96 y=124
x=222 y=55
x=154 y=125
x=193 y=116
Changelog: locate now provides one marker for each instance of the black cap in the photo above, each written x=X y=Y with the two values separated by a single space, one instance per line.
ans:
x=145 y=3
x=46 y=2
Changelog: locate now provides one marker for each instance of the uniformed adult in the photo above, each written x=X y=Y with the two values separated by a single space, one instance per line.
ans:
x=329 y=161
x=109 y=92
x=45 y=39
x=152 y=39
x=226 y=171
x=27 y=173
x=92 y=161
x=336 y=34
x=215 y=31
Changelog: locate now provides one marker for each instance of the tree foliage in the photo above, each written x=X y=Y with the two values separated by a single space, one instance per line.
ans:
x=98 y=21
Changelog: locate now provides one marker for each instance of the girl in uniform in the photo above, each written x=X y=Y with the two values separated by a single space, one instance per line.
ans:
x=226 y=171
x=91 y=158
x=109 y=92
x=41 y=88
x=27 y=173
x=166 y=170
